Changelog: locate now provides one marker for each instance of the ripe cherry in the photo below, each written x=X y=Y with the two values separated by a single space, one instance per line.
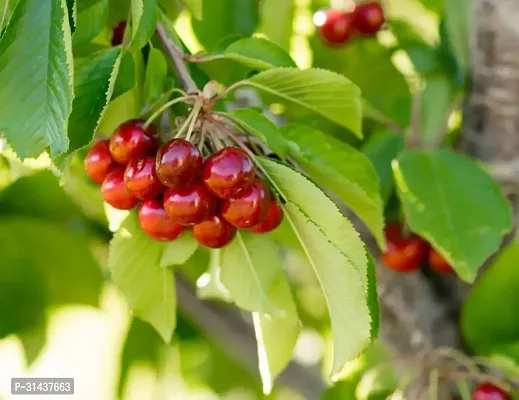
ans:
x=115 y=193
x=214 y=233
x=130 y=141
x=141 y=179
x=369 y=18
x=403 y=254
x=272 y=220
x=155 y=223
x=118 y=33
x=335 y=26
x=179 y=163
x=438 y=263
x=99 y=161
x=190 y=205
x=489 y=391
x=248 y=209
x=228 y=172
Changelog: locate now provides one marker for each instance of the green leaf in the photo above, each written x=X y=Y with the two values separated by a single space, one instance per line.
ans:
x=134 y=261
x=94 y=84
x=381 y=150
x=453 y=204
x=195 y=6
x=276 y=336
x=489 y=316
x=91 y=17
x=458 y=29
x=123 y=108
x=250 y=265
x=126 y=74
x=336 y=254
x=209 y=285
x=156 y=72
x=263 y=128
x=276 y=21
x=36 y=95
x=373 y=297
x=33 y=341
x=144 y=17
x=178 y=251
x=324 y=92
x=344 y=170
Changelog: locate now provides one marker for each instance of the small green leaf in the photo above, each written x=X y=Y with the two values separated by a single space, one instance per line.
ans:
x=134 y=261
x=260 y=126
x=178 y=251
x=453 y=204
x=144 y=17
x=36 y=78
x=209 y=285
x=250 y=265
x=342 y=169
x=126 y=74
x=91 y=17
x=94 y=83
x=324 y=92
x=156 y=72
x=458 y=29
x=195 y=6
x=276 y=336
x=489 y=317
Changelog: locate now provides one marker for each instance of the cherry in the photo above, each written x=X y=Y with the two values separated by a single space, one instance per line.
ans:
x=369 y=18
x=191 y=204
x=99 y=162
x=335 y=26
x=179 y=163
x=403 y=254
x=130 y=141
x=155 y=223
x=248 y=209
x=141 y=179
x=489 y=391
x=114 y=191
x=272 y=220
x=228 y=172
x=118 y=33
x=214 y=233
x=438 y=263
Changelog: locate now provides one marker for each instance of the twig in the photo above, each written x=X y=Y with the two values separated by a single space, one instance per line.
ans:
x=416 y=121
x=175 y=55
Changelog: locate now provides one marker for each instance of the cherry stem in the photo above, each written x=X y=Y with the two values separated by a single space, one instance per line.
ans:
x=227 y=90
x=164 y=107
x=203 y=133
x=194 y=116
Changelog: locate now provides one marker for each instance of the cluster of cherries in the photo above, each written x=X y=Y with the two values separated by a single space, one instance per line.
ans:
x=339 y=26
x=489 y=391
x=177 y=189
x=406 y=253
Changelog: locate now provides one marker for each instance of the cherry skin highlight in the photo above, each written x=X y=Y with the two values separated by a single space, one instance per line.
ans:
x=488 y=391
x=438 y=263
x=190 y=205
x=115 y=193
x=118 y=33
x=228 y=172
x=403 y=254
x=141 y=179
x=130 y=141
x=99 y=162
x=335 y=26
x=248 y=209
x=179 y=163
x=214 y=233
x=369 y=18
x=272 y=220
x=155 y=223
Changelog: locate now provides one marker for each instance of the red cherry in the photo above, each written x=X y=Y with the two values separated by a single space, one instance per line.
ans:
x=130 y=141
x=118 y=33
x=272 y=220
x=115 y=193
x=335 y=26
x=248 y=209
x=155 y=223
x=141 y=179
x=214 y=233
x=179 y=163
x=438 y=263
x=228 y=172
x=99 y=162
x=403 y=254
x=190 y=205
x=369 y=18
x=489 y=391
